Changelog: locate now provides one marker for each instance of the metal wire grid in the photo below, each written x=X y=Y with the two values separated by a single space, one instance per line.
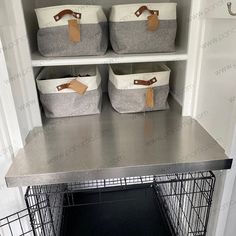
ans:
x=17 y=224
x=107 y=183
x=187 y=200
x=45 y=205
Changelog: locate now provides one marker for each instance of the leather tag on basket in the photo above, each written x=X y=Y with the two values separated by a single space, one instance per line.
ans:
x=150 y=98
x=153 y=22
x=74 y=85
x=74 y=30
x=78 y=86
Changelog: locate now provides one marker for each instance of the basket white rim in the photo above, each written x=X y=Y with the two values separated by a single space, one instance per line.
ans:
x=126 y=81
x=125 y=12
x=91 y=14
x=68 y=5
x=49 y=86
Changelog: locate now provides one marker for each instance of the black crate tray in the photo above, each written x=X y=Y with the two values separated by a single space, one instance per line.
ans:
x=115 y=212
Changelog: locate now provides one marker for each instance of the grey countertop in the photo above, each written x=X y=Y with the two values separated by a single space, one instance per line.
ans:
x=113 y=145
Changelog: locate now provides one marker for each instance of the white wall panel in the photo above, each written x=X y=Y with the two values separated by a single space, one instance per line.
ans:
x=11 y=200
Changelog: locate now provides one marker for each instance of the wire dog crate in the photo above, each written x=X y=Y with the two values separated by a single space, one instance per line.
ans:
x=182 y=200
x=187 y=200
x=16 y=224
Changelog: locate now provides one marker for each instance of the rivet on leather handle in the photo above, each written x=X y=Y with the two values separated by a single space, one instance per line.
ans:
x=77 y=15
x=145 y=83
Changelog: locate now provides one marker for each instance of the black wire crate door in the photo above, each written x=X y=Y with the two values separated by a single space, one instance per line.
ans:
x=17 y=224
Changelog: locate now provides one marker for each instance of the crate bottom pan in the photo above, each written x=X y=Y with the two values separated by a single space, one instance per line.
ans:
x=131 y=212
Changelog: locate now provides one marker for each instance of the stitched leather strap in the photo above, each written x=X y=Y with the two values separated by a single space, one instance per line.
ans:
x=140 y=11
x=145 y=83
x=75 y=85
x=67 y=12
x=63 y=86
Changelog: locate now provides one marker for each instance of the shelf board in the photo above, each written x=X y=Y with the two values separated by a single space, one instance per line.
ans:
x=109 y=58
x=113 y=145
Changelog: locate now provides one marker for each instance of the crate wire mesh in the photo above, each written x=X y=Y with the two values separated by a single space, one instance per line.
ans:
x=108 y=183
x=16 y=224
x=185 y=200
x=45 y=205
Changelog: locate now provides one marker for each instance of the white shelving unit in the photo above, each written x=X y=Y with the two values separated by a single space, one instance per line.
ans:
x=179 y=60
x=109 y=58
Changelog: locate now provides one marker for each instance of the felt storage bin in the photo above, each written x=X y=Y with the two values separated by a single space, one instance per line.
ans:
x=72 y=30
x=70 y=90
x=143 y=28
x=138 y=87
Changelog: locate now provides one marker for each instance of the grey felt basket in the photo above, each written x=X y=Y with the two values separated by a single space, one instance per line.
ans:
x=129 y=33
x=53 y=37
x=128 y=84
x=67 y=102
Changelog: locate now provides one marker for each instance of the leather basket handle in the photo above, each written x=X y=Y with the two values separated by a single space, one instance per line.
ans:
x=63 y=86
x=149 y=91
x=75 y=85
x=77 y=15
x=145 y=83
x=142 y=9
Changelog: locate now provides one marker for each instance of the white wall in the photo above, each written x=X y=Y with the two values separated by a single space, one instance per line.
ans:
x=230 y=202
x=216 y=86
x=16 y=52
x=11 y=200
x=14 y=110
x=231 y=226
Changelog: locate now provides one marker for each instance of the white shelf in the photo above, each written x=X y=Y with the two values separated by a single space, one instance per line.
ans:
x=109 y=58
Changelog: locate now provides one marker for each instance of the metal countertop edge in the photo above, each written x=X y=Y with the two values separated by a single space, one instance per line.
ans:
x=116 y=172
